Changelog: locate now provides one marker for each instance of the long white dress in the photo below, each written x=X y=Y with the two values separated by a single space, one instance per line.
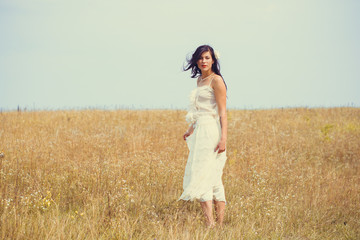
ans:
x=204 y=167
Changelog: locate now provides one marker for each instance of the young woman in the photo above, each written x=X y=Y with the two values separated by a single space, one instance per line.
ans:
x=206 y=136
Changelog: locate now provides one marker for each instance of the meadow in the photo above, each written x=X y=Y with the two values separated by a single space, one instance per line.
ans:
x=100 y=174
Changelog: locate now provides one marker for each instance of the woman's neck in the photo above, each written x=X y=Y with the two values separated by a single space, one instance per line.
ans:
x=205 y=74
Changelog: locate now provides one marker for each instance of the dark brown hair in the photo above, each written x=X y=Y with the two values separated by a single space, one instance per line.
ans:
x=192 y=62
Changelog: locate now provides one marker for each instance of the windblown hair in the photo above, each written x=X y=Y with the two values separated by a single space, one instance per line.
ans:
x=192 y=62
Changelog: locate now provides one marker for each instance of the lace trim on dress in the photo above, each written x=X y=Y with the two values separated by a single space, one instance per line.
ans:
x=201 y=99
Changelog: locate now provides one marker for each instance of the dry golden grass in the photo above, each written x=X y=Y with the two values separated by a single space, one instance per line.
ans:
x=290 y=174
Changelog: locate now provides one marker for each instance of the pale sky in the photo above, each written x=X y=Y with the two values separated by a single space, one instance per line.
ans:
x=66 y=54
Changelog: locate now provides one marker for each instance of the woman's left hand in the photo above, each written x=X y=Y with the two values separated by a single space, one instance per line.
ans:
x=221 y=146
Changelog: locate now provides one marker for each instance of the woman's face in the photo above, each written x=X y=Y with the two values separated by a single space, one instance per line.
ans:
x=205 y=62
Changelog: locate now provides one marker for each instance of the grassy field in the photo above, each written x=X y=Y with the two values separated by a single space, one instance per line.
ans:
x=290 y=174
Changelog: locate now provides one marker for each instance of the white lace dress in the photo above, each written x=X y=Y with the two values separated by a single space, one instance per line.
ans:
x=204 y=167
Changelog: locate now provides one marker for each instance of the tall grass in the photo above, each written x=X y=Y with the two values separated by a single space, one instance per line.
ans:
x=290 y=174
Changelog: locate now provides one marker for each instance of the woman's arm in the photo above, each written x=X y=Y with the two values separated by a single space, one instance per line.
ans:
x=220 y=96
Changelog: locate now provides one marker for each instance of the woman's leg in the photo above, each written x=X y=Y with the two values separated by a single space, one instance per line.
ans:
x=219 y=211
x=207 y=209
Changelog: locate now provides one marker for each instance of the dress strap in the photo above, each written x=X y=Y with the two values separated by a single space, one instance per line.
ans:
x=198 y=81
x=211 y=81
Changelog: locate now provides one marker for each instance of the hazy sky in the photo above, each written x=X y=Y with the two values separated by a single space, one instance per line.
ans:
x=57 y=54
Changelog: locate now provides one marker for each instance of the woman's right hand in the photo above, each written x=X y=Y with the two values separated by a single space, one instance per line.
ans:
x=187 y=134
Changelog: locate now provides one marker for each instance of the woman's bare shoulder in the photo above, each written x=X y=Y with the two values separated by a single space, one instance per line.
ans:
x=218 y=81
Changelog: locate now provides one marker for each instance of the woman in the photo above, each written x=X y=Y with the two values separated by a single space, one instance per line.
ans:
x=206 y=136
